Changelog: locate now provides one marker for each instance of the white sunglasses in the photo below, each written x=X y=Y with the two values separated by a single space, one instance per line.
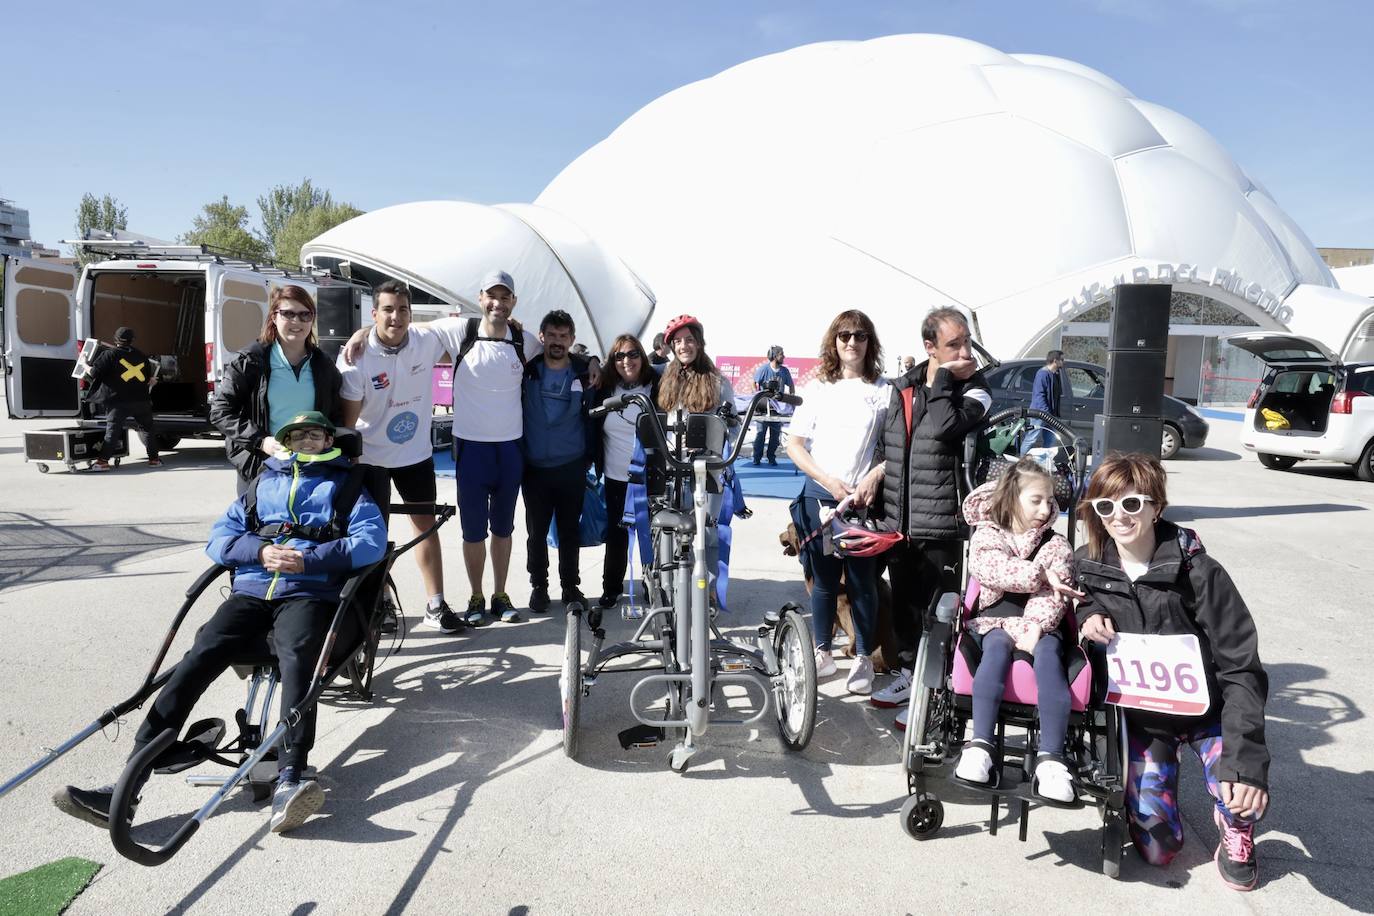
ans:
x=1131 y=504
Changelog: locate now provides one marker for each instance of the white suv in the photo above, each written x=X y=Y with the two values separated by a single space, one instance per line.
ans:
x=1309 y=405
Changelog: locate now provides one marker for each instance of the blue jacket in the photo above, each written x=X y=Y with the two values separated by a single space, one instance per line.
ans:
x=299 y=489
x=1045 y=392
x=565 y=438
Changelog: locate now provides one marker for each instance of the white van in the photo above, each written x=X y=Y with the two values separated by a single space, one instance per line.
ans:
x=190 y=308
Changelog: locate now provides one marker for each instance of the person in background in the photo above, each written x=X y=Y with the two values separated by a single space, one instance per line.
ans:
x=631 y=373
x=832 y=440
x=908 y=363
x=1046 y=394
x=660 y=355
x=121 y=379
x=282 y=374
x=388 y=394
x=771 y=371
x=557 y=449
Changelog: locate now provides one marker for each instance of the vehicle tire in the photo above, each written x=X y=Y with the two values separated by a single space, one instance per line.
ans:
x=1113 y=841
x=922 y=815
x=570 y=683
x=1170 y=442
x=165 y=441
x=1276 y=462
x=794 y=697
x=1364 y=470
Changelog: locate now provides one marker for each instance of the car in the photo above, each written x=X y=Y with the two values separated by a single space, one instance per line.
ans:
x=1083 y=385
x=1310 y=405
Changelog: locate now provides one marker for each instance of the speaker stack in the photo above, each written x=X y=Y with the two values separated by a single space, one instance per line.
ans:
x=337 y=316
x=1136 y=349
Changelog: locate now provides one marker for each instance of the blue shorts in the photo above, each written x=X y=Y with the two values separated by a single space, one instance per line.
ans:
x=488 y=484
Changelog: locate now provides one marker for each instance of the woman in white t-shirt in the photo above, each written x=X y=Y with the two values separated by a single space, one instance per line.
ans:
x=832 y=438
x=629 y=372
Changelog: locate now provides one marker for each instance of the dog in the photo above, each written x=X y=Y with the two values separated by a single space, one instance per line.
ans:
x=885 y=656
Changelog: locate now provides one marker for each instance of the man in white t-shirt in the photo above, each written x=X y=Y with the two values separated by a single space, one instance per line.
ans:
x=388 y=396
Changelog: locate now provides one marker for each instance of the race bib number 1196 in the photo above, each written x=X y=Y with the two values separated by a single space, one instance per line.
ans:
x=1157 y=673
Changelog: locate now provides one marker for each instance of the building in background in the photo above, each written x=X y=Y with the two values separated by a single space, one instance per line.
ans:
x=1346 y=257
x=14 y=234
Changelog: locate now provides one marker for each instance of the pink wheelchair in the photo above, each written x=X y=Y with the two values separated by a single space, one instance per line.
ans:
x=941 y=708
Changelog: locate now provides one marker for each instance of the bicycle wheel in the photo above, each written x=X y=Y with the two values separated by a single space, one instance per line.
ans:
x=570 y=682
x=795 y=693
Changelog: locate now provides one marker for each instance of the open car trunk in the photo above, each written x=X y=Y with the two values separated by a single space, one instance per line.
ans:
x=1301 y=399
x=167 y=314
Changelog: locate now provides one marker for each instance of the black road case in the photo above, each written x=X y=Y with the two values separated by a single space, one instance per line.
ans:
x=70 y=446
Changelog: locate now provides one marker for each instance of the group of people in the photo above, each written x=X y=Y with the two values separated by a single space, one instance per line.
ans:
x=524 y=422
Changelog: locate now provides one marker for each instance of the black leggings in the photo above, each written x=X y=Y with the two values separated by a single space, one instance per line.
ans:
x=617 y=539
x=1052 y=688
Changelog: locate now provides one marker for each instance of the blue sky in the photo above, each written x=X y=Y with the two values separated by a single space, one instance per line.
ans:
x=168 y=107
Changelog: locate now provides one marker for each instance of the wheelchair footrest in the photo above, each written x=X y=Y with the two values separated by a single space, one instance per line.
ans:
x=200 y=743
x=640 y=736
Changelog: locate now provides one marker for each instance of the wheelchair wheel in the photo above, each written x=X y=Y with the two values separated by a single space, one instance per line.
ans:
x=570 y=682
x=794 y=694
x=922 y=816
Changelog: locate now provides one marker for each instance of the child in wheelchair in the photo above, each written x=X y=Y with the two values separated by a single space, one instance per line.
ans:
x=1141 y=574
x=289 y=570
x=1014 y=553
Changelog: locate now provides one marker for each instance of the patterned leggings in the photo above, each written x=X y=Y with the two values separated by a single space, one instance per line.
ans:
x=1152 y=786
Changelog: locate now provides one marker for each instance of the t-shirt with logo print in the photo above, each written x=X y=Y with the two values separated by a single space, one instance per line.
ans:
x=397 y=391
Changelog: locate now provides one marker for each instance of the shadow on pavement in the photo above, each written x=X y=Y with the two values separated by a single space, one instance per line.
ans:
x=1205 y=454
x=33 y=550
x=1176 y=513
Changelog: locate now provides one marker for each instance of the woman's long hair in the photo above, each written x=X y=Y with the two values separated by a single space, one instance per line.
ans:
x=1119 y=476
x=830 y=367
x=610 y=373
x=695 y=388
x=280 y=294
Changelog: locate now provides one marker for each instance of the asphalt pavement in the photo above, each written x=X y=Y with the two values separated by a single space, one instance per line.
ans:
x=451 y=793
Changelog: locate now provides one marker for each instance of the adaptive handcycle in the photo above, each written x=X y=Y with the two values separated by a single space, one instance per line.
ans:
x=680 y=693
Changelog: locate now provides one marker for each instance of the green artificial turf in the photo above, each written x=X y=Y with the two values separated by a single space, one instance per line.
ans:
x=46 y=890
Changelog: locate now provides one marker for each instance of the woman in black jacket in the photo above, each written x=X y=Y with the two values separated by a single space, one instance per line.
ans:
x=1141 y=574
x=250 y=401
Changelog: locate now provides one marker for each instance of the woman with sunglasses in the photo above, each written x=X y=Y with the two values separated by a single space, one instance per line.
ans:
x=832 y=439
x=630 y=372
x=1141 y=574
x=280 y=375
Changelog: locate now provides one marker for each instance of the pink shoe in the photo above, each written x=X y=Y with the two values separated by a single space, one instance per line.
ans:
x=1235 y=856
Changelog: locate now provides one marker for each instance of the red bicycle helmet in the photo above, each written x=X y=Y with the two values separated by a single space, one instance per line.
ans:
x=854 y=536
x=680 y=322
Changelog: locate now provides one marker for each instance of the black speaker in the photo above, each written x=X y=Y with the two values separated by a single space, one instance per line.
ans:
x=1135 y=383
x=337 y=311
x=1140 y=317
x=1142 y=435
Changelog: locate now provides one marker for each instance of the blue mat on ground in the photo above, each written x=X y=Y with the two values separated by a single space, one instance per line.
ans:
x=781 y=482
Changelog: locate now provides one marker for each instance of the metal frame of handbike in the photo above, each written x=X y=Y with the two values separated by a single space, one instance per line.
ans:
x=253 y=717
x=934 y=732
x=678 y=628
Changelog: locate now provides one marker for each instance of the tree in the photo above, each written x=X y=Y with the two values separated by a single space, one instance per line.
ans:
x=294 y=214
x=224 y=226
x=103 y=214
x=304 y=225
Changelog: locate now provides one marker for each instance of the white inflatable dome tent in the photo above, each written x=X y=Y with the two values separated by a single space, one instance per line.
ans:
x=907 y=172
x=444 y=248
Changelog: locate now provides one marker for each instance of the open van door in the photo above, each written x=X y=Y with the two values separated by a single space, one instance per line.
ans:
x=40 y=338
x=235 y=311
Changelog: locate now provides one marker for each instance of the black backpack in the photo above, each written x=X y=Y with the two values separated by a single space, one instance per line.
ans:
x=471 y=336
x=345 y=498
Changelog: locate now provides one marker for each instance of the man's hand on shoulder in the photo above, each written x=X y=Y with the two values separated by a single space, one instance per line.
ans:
x=353 y=349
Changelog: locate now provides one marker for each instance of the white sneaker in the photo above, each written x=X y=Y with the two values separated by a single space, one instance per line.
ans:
x=825 y=664
x=860 y=681
x=1052 y=781
x=895 y=694
x=975 y=764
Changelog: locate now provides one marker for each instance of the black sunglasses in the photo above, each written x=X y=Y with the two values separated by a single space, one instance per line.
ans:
x=627 y=355
x=860 y=336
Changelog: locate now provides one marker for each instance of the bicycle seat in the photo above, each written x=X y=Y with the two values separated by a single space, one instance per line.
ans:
x=675 y=519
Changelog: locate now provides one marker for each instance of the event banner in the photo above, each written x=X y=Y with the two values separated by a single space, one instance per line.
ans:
x=739 y=370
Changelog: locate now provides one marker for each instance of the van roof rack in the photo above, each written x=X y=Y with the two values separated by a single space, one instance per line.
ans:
x=138 y=249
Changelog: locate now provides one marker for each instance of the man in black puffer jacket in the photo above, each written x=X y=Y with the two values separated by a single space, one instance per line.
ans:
x=933 y=406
